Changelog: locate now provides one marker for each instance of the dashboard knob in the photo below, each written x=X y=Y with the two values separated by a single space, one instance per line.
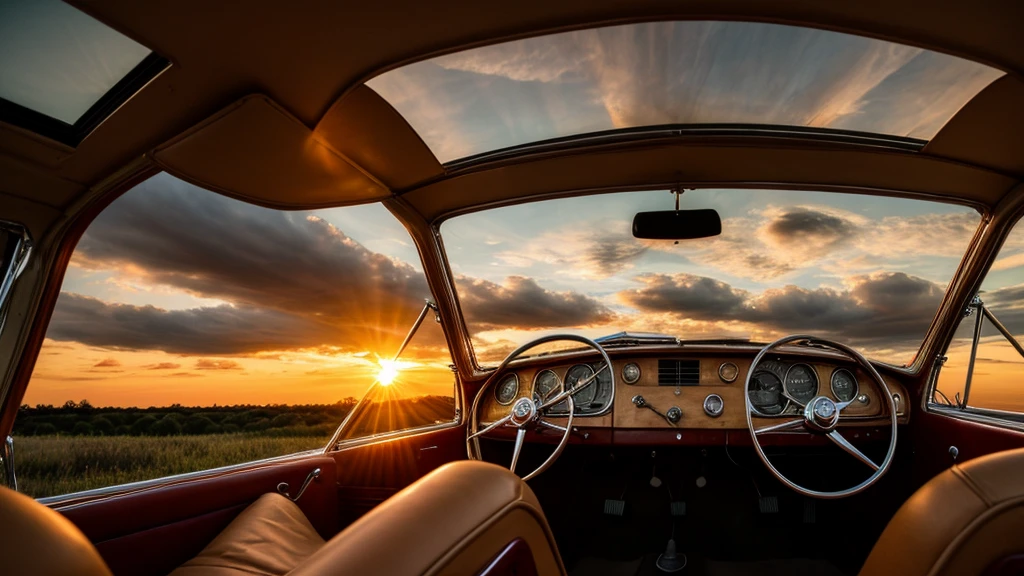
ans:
x=674 y=414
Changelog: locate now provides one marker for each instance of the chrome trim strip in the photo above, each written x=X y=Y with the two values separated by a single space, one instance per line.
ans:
x=977 y=415
x=85 y=497
x=391 y=436
x=21 y=254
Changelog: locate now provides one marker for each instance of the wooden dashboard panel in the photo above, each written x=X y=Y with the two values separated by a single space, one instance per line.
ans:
x=690 y=399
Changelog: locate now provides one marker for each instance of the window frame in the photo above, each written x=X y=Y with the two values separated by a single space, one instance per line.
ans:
x=988 y=416
x=56 y=264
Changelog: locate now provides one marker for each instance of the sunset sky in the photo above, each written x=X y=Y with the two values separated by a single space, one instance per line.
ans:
x=179 y=295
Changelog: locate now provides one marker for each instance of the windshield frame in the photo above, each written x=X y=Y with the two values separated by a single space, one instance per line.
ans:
x=911 y=368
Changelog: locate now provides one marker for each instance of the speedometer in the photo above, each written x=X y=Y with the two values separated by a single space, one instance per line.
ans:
x=545 y=386
x=584 y=397
x=801 y=382
x=766 y=394
x=844 y=385
x=507 y=390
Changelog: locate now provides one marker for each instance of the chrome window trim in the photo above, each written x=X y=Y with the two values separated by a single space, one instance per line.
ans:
x=383 y=437
x=75 y=499
x=13 y=270
x=977 y=415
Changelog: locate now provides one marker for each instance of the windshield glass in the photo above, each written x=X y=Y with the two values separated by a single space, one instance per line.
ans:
x=865 y=270
x=668 y=73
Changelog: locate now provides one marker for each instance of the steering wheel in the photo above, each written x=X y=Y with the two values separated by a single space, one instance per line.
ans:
x=528 y=411
x=821 y=415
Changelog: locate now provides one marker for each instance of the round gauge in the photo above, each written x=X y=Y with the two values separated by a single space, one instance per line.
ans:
x=802 y=382
x=713 y=405
x=631 y=373
x=766 y=394
x=728 y=372
x=507 y=390
x=545 y=385
x=584 y=397
x=844 y=385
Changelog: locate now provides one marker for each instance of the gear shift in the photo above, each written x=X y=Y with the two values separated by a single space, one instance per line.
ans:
x=669 y=561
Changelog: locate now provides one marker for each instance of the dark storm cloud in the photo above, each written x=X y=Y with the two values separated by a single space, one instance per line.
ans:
x=522 y=303
x=221 y=248
x=215 y=330
x=696 y=297
x=292 y=280
x=887 y=309
x=803 y=225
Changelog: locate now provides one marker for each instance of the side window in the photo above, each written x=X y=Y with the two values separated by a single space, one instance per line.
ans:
x=194 y=331
x=994 y=384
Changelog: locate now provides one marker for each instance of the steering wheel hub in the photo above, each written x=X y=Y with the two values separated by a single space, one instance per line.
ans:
x=822 y=414
x=523 y=411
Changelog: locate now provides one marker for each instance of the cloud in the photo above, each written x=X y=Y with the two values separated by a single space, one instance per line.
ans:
x=163 y=366
x=879 y=310
x=589 y=253
x=208 y=364
x=107 y=363
x=522 y=303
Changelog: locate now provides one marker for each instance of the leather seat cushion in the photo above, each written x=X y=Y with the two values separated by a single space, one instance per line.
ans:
x=269 y=538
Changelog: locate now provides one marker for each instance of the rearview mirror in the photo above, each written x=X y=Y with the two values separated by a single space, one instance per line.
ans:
x=677 y=224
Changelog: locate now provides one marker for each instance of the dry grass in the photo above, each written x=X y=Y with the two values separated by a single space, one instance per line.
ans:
x=54 y=465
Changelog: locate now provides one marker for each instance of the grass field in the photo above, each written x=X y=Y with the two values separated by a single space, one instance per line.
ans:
x=53 y=465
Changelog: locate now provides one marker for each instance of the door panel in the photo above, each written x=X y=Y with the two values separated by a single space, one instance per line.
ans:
x=370 y=474
x=934 y=433
x=172 y=523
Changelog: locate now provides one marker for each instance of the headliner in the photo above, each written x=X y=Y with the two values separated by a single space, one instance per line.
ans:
x=312 y=67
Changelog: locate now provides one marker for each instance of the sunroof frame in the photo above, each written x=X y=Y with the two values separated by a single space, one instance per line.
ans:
x=72 y=134
x=647 y=133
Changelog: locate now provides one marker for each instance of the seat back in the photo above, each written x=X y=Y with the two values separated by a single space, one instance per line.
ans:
x=465 y=518
x=967 y=520
x=37 y=540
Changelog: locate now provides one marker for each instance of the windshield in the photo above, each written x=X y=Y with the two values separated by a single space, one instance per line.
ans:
x=865 y=270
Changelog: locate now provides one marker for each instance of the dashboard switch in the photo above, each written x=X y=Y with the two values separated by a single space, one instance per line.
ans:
x=674 y=414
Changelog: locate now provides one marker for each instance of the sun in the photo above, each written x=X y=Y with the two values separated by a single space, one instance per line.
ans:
x=388 y=372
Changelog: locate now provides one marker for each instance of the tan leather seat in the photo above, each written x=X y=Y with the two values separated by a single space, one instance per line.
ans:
x=36 y=540
x=454 y=521
x=269 y=538
x=964 y=521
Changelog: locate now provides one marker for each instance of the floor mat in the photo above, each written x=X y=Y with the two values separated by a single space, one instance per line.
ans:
x=783 y=567
x=590 y=566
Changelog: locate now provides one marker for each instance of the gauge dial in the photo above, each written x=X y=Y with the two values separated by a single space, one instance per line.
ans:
x=507 y=390
x=728 y=372
x=584 y=397
x=713 y=405
x=631 y=373
x=802 y=382
x=844 y=385
x=766 y=394
x=545 y=385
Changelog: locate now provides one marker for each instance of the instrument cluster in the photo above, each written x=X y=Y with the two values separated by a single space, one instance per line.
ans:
x=778 y=387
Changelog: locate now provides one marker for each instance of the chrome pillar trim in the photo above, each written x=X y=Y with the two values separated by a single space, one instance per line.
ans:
x=19 y=258
x=7 y=457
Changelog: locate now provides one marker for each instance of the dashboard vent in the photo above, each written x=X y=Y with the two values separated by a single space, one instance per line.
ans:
x=678 y=372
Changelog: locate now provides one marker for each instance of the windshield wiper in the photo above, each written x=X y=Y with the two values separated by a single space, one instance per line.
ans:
x=624 y=339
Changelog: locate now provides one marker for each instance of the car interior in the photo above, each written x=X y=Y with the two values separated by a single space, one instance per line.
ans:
x=727 y=288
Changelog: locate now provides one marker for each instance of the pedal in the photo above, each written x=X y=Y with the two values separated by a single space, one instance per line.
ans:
x=614 y=507
x=678 y=508
x=810 y=512
x=768 y=504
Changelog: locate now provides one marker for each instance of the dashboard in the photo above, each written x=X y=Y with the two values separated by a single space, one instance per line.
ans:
x=669 y=389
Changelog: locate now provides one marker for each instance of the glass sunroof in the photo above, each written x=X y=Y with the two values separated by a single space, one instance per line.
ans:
x=58 y=61
x=666 y=73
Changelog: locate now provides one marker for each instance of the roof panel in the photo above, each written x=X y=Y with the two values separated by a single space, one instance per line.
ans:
x=677 y=73
x=58 y=61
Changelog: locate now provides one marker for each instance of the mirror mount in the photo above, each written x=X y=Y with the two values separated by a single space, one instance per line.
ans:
x=677 y=224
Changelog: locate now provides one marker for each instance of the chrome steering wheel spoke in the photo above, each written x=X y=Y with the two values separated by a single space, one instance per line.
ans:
x=843 y=443
x=491 y=426
x=781 y=427
x=520 y=436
